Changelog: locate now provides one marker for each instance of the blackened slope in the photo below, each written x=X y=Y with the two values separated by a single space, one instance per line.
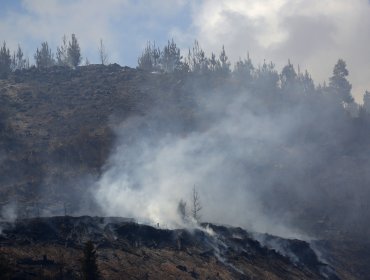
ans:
x=59 y=128
x=230 y=253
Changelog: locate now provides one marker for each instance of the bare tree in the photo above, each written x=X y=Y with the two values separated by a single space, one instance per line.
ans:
x=103 y=53
x=196 y=205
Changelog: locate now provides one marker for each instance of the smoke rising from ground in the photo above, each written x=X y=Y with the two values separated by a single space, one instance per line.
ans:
x=233 y=157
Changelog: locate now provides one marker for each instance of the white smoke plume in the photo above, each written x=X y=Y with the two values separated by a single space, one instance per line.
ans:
x=149 y=172
x=9 y=212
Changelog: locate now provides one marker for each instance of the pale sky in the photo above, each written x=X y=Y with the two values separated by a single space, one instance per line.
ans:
x=311 y=33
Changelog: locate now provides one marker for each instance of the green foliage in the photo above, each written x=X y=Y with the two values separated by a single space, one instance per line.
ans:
x=89 y=267
x=5 y=62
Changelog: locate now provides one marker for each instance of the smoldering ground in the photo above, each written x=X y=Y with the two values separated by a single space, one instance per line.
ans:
x=265 y=169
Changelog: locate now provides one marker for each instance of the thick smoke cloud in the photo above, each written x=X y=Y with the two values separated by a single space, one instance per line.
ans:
x=233 y=159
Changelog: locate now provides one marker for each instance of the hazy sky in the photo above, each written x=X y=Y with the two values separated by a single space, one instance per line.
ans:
x=312 y=33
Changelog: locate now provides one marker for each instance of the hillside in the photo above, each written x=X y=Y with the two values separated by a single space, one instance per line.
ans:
x=52 y=247
x=266 y=156
x=58 y=126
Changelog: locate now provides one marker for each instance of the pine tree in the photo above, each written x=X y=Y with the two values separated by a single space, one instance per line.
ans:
x=214 y=63
x=18 y=60
x=197 y=59
x=267 y=78
x=62 y=53
x=288 y=77
x=74 y=53
x=5 y=62
x=224 y=62
x=171 y=57
x=366 y=99
x=338 y=83
x=44 y=57
x=244 y=70
x=306 y=83
x=150 y=58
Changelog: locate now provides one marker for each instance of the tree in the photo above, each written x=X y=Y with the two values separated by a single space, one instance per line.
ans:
x=288 y=77
x=89 y=266
x=87 y=61
x=18 y=61
x=74 y=53
x=214 y=63
x=103 y=56
x=181 y=210
x=5 y=61
x=366 y=99
x=224 y=62
x=306 y=83
x=267 y=78
x=62 y=53
x=171 y=57
x=197 y=59
x=244 y=70
x=196 y=205
x=44 y=57
x=338 y=83
x=150 y=58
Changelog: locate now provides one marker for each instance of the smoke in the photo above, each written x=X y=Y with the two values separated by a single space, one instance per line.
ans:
x=9 y=212
x=152 y=168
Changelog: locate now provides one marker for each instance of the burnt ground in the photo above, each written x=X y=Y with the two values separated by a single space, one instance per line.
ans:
x=56 y=129
x=56 y=133
x=52 y=248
